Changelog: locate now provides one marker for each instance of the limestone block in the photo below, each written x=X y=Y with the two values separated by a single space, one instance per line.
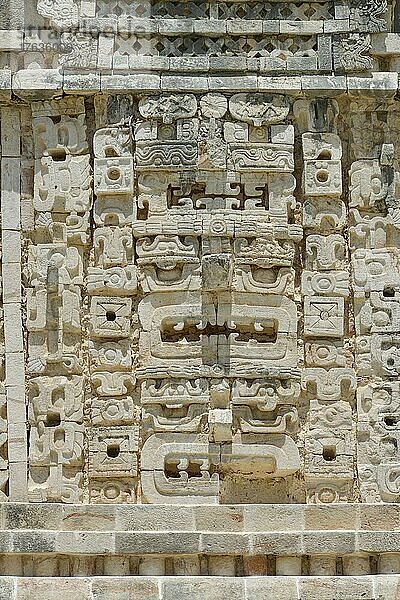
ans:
x=112 y=142
x=168 y=107
x=323 y=316
x=11 y=246
x=356 y=564
x=336 y=588
x=95 y=518
x=227 y=544
x=12 y=291
x=111 y=317
x=76 y=542
x=259 y=588
x=186 y=565
x=112 y=384
x=55 y=396
x=283 y=544
x=278 y=518
x=325 y=542
x=168 y=156
x=387 y=542
x=36 y=84
x=157 y=518
x=131 y=82
x=255 y=565
x=5 y=84
x=33 y=541
x=17 y=436
x=159 y=462
x=200 y=588
x=63 y=185
x=152 y=565
x=113 y=176
x=117 y=588
x=231 y=517
x=258 y=110
x=389 y=563
x=157 y=543
x=56 y=139
x=265 y=157
x=326 y=517
x=54 y=445
x=216 y=272
x=334 y=283
x=334 y=384
x=114 y=248
x=12 y=327
x=322 y=564
x=220 y=422
x=80 y=590
x=288 y=565
x=113 y=451
x=282 y=134
x=385 y=518
x=325 y=252
x=121 y=281
x=236 y=132
x=320 y=214
x=82 y=83
x=221 y=565
x=386 y=586
x=7 y=588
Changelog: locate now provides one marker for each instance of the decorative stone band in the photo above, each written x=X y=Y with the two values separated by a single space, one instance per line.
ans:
x=232 y=518
x=207 y=565
x=247 y=552
x=229 y=540
x=34 y=84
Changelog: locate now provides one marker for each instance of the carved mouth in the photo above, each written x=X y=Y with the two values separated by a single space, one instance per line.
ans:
x=261 y=331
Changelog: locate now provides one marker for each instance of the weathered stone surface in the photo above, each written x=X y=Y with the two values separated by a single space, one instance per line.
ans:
x=74 y=589
x=125 y=589
x=199 y=290
x=197 y=588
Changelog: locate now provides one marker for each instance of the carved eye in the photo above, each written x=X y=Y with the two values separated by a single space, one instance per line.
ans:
x=375 y=268
x=214 y=105
x=110 y=355
x=323 y=352
x=326 y=495
x=113 y=450
x=111 y=491
x=329 y=453
x=113 y=174
x=322 y=176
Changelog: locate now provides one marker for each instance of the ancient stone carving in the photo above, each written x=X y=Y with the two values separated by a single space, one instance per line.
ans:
x=199 y=312
x=113 y=176
x=322 y=168
x=63 y=186
x=259 y=109
x=113 y=451
x=168 y=108
x=351 y=52
x=110 y=317
x=61 y=12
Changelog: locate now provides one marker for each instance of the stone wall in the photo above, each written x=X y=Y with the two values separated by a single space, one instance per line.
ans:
x=200 y=267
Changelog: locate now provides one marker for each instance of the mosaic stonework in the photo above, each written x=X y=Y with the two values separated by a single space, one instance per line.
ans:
x=211 y=292
x=200 y=300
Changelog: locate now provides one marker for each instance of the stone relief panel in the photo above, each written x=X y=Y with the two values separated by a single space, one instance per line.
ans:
x=274 y=37
x=212 y=302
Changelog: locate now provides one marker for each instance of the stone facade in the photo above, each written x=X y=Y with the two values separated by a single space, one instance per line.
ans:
x=200 y=260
